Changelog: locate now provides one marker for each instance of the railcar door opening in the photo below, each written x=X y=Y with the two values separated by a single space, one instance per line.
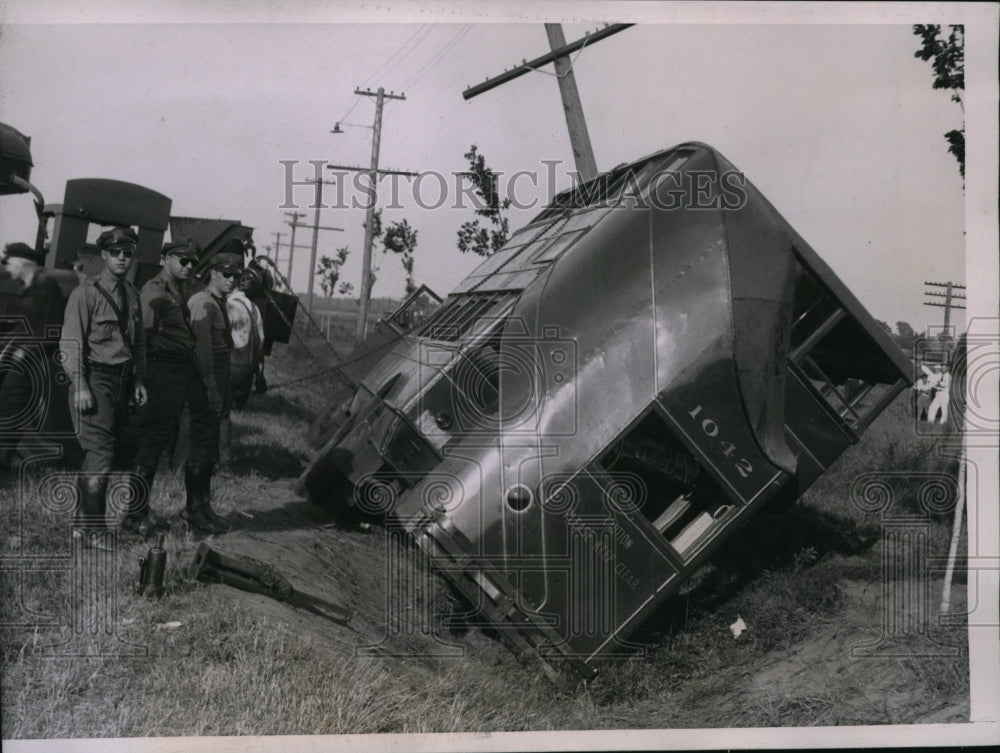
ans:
x=840 y=379
x=679 y=499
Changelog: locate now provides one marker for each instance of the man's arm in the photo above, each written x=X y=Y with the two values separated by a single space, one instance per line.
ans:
x=202 y=314
x=139 y=346
x=76 y=324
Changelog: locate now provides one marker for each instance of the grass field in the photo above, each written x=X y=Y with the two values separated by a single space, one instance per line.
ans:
x=810 y=583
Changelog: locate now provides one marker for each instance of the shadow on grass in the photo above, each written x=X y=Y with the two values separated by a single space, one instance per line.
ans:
x=276 y=405
x=271 y=460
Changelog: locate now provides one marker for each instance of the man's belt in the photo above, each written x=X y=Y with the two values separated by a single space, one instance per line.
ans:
x=171 y=356
x=117 y=369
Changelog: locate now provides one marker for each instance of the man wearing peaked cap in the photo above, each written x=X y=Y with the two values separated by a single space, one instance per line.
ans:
x=117 y=237
x=104 y=345
x=213 y=343
x=40 y=304
x=173 y=378
x=227 y=261
x=185 y=248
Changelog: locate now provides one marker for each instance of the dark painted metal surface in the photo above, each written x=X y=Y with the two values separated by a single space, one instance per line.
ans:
x=107 y=202
x=599 y=405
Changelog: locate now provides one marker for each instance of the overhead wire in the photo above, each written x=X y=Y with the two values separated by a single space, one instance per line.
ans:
x=437 y=57
x=416 y=44
x=392 y=57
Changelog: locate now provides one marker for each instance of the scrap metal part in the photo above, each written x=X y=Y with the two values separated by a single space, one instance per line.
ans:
x=251 y=575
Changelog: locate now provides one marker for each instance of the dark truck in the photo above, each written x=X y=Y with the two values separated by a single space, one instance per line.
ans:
x=606 y=400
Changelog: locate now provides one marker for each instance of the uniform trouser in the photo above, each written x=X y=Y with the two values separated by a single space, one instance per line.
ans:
x=169 y=385
x=241 y=377
x=204 y=449
x=98 y=431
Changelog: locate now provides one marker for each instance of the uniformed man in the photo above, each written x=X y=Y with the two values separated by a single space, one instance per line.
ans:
x=214 y=342
x=172 y=379
x=104 y=347
x=39 y=305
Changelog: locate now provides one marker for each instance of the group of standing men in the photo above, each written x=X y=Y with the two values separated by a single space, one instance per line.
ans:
x=153 y=352
x=931 y=393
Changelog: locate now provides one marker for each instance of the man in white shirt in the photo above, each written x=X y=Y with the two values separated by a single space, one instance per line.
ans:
x=942 y=394
x=246 y=359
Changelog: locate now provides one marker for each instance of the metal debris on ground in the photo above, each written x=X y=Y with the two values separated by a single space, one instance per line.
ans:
x=254 y=576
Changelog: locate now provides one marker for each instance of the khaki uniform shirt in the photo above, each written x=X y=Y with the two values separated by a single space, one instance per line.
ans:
x=91 y=331
x=211 y=333
x=166 y=317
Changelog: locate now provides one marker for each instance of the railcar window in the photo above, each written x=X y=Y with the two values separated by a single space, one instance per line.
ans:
x=609 y=187
x=460 y=313
x=416 y=310
x=834 y=354
x=556 y=246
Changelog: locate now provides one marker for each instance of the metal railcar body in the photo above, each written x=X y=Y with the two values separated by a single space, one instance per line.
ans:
x=603 y=402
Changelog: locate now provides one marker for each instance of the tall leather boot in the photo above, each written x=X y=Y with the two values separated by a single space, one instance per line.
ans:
x=89 y=524
x=225 y=442
x=205 y=485
x=194 y=512
x=138 y=517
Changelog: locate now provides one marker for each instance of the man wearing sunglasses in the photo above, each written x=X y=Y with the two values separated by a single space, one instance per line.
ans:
x=213 y=344
x=172 y=378
x=104 y=346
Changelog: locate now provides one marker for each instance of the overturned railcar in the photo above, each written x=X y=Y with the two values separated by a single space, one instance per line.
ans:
x=602 y=403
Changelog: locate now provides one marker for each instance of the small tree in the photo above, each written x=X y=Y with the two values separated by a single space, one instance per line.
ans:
x=329 y=270
x=949 y=73
x=472 y=236
x=401 y=239
x=905 y=335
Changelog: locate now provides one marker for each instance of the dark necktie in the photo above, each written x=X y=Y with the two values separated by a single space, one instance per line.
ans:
x=223 y=307
x=123 y=305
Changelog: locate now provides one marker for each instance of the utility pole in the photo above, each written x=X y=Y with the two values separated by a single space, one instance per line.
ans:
x=291 y=245
x=373 y=173
x=315 y=243
x=950 y=296
x=579 y=138
x=277 y=246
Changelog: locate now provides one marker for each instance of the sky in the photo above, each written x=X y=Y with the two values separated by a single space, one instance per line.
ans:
x=836 y=123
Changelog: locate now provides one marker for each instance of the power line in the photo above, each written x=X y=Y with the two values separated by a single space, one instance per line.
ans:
x=583 y=153
x=373 y=171
x=411 y=50
x=435 y=59
x=393 y=56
